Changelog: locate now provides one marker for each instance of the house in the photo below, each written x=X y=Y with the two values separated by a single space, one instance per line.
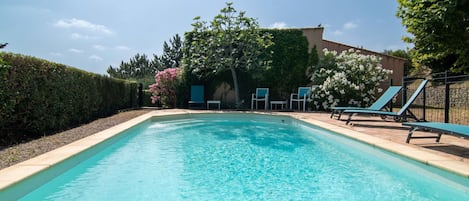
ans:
x=315 y=38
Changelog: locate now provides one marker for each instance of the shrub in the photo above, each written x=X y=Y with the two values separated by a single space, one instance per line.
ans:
x=344 y=79
x=39 y=97
x=164 y=88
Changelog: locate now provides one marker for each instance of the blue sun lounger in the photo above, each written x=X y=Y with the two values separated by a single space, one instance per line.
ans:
x=438 y=127
x=379 y=104
x=403 y=113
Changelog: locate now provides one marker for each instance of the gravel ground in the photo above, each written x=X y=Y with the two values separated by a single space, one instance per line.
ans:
x=21 y=152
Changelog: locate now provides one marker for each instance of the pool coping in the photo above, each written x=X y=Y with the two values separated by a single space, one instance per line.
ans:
x=16 y=173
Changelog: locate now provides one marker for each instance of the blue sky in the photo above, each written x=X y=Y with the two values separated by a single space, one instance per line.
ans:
x=93 y=34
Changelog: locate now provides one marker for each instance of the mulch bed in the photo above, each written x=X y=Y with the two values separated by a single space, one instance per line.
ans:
x=24 y=151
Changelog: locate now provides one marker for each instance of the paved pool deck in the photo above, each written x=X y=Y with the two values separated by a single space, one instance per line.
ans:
x=452 y=153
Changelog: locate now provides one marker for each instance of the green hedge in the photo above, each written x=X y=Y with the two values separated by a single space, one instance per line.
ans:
x=290 y=62
x=38 y=96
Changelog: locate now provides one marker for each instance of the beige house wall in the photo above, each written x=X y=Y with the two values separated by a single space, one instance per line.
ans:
x=315 y=38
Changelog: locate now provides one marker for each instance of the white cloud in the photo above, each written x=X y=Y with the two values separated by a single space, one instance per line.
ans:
x=95 y=57
x=82 y=24
x=75 y=50
x=337 y=33
x=99 y=47
x=278 y=25
x=122 y=47
x=350 y=25
x=56 y=54
x=77 y=36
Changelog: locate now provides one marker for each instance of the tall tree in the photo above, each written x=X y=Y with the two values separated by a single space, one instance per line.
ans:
x=138 y=67
x=440 y=30
x=172 y=55
x=156 y=63
x=230 y=42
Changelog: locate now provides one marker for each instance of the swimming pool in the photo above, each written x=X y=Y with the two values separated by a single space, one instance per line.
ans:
x=244 y=157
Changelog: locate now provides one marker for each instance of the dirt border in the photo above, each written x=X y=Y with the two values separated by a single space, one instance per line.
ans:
x=24 y=151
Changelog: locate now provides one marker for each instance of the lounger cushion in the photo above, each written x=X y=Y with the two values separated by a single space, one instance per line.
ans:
x=443 y=127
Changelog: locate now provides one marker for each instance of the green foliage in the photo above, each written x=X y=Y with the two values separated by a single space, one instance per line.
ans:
x=38 y=96
x=290 y=62
x=172 y=55
x=139 y=69
x=230 y=42
x=440 y=30
x=344 y=79
x=142 y=70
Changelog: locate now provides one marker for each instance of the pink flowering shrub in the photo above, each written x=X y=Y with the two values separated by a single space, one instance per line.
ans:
x=164 y=89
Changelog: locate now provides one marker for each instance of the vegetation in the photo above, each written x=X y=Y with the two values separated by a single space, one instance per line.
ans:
x=440 y=30
x=172 y=55
x=347 y=78
x=229 y=43
x=290 y=62
x=164 y=89
x=38 y=97
x=141 y=69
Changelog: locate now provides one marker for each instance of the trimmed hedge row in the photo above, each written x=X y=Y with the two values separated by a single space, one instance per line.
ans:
x=38 y=96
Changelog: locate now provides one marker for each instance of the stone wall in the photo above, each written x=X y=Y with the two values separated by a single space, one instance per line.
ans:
x=459 y=96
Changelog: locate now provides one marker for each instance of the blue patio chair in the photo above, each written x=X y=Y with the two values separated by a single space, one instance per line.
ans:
x=301 y=96
x=379 y=104
x=262 y=94
x=197 y=96
x=403 y=113
x=440 y=128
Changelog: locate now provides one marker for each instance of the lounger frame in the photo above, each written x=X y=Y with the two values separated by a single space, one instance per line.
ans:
x=439 y=128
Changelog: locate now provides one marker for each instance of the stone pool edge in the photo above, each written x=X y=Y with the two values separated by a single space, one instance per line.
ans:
x=16 y=173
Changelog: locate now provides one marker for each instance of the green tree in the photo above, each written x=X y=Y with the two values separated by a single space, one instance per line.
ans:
x=138 y=67
x=156 y=63
x=230 y=42
x=440 y=30
x=172 y=55
x=141 y=69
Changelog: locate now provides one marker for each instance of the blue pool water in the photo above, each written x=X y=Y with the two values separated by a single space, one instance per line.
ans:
x=245 y=157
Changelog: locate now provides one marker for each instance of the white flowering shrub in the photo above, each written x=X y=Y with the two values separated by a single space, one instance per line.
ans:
x=346 y=79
